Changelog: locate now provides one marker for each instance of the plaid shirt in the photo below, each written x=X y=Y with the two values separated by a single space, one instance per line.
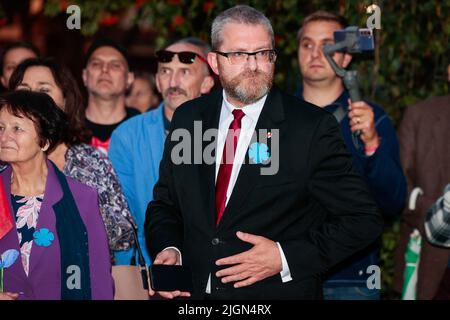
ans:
x=437 y=222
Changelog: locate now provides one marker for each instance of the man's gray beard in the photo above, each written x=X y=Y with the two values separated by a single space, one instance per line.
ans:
x=253 y=93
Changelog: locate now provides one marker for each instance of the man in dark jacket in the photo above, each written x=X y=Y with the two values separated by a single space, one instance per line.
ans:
x=424 y=135
x=264 y=218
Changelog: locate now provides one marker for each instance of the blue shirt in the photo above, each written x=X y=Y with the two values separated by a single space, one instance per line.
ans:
x=135 y=150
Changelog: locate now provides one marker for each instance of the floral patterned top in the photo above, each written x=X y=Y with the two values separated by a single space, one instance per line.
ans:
x=87 y=165
x=26 y=211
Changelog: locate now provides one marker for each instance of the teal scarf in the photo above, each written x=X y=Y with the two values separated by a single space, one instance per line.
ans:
x=73 y=241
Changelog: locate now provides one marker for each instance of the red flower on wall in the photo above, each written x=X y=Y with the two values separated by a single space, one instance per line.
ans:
x=63 y=5
x=139 y=3
x=177 y=21
x=109 y=20
x=207 y=6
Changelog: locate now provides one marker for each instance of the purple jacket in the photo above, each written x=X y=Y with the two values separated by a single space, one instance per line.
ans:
x=44 y=280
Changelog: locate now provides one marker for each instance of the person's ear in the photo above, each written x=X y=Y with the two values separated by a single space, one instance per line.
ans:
x=158 y=83
x=130 y=79
x=84 y=77
x=45 y=147
x=212 y=61
x=207 y=84
x=3 y=80
x=347 y=60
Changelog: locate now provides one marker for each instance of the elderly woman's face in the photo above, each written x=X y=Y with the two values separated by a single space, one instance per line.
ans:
x=19 y=140
x=39 y=78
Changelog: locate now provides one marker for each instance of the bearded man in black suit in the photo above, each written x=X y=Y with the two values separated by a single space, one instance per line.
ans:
x=262 y=215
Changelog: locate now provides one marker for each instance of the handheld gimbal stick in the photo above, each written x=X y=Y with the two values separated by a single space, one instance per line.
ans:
x=350 y=77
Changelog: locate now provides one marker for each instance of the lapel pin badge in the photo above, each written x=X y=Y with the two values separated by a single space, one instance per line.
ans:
x=269 y=135
x=258 y=152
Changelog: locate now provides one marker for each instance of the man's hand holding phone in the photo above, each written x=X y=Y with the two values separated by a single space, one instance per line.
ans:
x=169 y=257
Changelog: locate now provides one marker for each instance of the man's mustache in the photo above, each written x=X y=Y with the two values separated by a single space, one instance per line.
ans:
x=252 y=74
x=177 y=90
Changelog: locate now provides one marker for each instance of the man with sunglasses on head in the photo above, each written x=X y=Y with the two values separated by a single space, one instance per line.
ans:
x=247 y=232
x=137 y=145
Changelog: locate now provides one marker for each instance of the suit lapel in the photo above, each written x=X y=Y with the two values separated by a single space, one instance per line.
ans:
x=46 y=219
x=210 y=120
x=53 y=194
x=271 y=117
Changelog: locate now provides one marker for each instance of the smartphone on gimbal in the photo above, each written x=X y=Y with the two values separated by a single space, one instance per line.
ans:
x=362 y=39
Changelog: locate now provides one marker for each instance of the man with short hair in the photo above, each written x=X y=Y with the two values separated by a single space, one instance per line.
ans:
x=137 y=145
x=106 y=77
x=375 y=151
x=12 y=56
x=261 y=220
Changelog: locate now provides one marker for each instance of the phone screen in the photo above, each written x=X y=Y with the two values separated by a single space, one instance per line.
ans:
x=364 y=39
x=170 y=278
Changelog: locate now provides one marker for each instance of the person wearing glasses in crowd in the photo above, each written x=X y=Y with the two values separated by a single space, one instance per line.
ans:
x=107 y=78
x=244 y=232
x=136 y=146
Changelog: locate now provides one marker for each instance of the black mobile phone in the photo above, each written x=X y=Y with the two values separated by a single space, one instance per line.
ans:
x=170 y=278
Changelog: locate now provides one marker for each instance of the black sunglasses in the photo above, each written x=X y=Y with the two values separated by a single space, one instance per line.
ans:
x=186 y=57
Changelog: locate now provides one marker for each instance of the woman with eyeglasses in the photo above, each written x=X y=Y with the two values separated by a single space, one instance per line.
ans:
x=56 y=248
x=74 y=157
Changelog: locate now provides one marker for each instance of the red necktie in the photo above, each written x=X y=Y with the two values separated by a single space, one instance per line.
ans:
x=226 y=165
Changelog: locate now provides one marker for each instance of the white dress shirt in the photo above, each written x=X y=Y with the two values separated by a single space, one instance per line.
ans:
x=248 y=124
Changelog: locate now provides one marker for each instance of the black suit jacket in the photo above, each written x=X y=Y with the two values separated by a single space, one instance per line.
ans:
x=316 y=206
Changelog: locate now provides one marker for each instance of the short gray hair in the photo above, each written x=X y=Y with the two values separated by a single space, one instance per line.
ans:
x=204 y=47
x=238 y=14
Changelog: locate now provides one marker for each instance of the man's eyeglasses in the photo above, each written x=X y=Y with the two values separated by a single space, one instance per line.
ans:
x=242 y=57
x=187 y=57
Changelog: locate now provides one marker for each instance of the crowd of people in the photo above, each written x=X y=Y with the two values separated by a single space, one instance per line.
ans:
x=91 y=186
